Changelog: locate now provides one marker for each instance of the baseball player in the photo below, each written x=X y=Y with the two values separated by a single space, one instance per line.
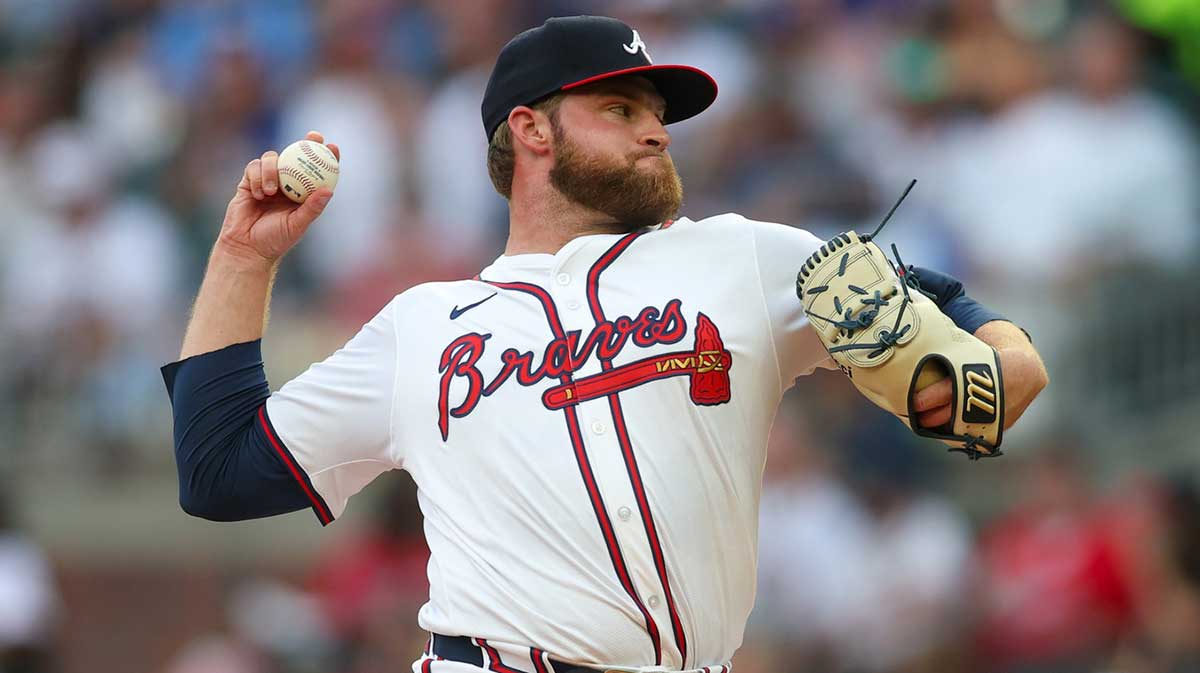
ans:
x=585 y=420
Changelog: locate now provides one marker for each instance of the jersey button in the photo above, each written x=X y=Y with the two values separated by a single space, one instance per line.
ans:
x=624 y=513
x=652 y=601
x=598 y=427
x=563 y=279
x=573 y=305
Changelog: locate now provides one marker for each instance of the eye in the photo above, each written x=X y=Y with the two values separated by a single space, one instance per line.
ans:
x=620 y=109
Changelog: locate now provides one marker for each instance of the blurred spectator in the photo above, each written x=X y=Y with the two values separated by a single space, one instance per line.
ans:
x=361 y=108
x=921 y=553
x=453 y=188
x=1178 y=636
x=232 y=119
x=866 y=575
x=1076 y=170
x=372 y=583
x=267 y=626
x=185 y=33
x=815 y=542
x=28 y=600
x=87 y=294
x=1158 y=533
x=282 y=623
x=79 y=265
x=1054 y=595
x=123 y=103
x=24 y=105
x=768 y=164
x=217 y=654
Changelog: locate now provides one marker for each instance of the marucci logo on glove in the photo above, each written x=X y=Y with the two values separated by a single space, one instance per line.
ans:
x=980 y=406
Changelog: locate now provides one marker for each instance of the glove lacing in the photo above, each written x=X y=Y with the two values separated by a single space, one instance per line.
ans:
x=850 y=324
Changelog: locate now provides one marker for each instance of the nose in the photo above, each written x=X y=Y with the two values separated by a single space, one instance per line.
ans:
x=656 y=136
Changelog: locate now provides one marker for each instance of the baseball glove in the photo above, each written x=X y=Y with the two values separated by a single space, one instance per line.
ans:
x=892 y=340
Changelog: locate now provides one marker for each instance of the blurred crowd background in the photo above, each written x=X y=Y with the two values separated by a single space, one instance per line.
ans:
x=1055 y=145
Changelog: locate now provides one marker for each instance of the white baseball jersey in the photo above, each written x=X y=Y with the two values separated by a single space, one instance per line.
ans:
x=587 y=432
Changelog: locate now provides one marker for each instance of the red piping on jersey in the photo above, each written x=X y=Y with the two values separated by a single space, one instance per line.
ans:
x=585 y=470
x=318 y=504
x=494 y=663
x=635 y=476
x=539 y=664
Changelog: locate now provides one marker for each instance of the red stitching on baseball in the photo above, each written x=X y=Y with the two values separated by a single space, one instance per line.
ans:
x=300 y=177
x=316 y=158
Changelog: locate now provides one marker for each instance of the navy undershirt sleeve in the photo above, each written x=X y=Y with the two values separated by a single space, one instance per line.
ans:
x=952 y=299
x=228 y=468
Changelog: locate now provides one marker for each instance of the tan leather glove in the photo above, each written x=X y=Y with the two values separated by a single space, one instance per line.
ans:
x=892 y=340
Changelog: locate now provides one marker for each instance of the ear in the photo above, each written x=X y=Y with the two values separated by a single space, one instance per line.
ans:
x=531 y=130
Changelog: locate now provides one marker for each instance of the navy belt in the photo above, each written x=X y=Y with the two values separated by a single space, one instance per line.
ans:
x=463 y=650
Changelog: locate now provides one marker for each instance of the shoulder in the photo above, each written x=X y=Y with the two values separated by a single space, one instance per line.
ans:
x=764 y=236
x=736 y=224
x=725 y=223
x=419 y=299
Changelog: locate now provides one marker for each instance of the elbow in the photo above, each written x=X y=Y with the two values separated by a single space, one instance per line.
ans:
x=1039 y=378
x=193 y=508
x=202 y=506
x=203 y=497
x=1043 y=379
x=1042 y=383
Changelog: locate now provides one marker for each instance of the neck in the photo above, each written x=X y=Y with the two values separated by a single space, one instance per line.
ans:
x=543 y=221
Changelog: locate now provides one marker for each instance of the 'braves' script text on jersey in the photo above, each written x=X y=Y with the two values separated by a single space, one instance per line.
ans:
x=587 y=432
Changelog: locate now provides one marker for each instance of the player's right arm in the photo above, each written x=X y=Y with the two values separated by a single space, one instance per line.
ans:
x=242 y=452
x=260 y=226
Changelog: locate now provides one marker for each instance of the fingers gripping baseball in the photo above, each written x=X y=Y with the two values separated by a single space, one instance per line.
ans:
x=260 y=222
x=270 y=172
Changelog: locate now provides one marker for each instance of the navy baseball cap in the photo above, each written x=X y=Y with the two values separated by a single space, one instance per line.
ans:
x=568 y=52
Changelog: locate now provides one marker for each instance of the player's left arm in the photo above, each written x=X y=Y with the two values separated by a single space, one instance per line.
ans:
x=1024 y=373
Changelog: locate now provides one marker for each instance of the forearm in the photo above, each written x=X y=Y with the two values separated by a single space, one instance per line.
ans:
x=1002 y=334
x=232 y=304
x=1023 y=371
x=228 y=470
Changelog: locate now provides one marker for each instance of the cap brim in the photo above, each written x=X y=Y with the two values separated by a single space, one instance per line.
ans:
x=687 y=91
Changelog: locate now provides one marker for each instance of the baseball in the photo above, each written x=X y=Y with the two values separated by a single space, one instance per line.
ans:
x=305 y=167
x=931 y=373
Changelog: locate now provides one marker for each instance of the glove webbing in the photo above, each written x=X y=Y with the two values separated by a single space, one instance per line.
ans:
x=866 y=318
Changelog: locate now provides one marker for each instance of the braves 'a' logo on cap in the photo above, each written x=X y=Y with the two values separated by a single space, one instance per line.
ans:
x=637 y=44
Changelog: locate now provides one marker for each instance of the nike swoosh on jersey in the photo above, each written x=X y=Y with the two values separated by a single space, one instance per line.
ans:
x=456 y=311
